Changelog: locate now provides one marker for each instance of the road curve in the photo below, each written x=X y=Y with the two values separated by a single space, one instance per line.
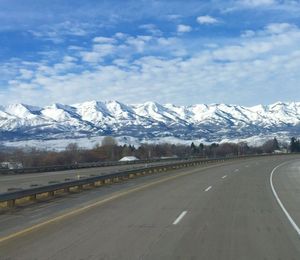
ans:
x=221 y=212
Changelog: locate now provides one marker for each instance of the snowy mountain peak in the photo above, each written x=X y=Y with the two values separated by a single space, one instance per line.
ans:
x=21 y=110
x=149 y=119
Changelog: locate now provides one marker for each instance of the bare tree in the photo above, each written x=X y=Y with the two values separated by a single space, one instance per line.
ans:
x=108 y=141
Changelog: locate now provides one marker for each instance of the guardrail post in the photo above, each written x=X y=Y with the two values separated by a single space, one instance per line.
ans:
x=32 y=197
x=106 y=181
x=98 y=183
x=50 y=194
x=11 y=203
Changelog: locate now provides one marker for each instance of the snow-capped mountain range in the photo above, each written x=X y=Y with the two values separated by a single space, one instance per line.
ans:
x=213 y=122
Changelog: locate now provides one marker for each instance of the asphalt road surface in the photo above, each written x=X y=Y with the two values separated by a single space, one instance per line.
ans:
x=225 y=211
x=23 y=181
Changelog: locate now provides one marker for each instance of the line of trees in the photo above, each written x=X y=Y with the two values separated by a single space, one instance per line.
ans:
x=295 y=145
x=110 y=150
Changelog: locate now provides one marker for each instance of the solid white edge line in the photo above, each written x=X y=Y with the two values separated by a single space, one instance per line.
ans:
x=208 y=188
x=180 y=217
x=297 y=229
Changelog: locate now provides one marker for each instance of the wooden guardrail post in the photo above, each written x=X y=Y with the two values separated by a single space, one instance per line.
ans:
x=32 y=197
x=10 y=203
x=98 y=183
x=50 y=194
x=107 y=181
x=80 y=187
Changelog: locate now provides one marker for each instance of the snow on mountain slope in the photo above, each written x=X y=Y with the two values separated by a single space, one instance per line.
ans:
x=22 y=111
x=210 y=122
x=110 y=114
x=19 y=116
x=160 y=114
x=94 y=112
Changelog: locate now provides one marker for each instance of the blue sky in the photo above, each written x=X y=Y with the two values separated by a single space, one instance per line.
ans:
x=183 y=52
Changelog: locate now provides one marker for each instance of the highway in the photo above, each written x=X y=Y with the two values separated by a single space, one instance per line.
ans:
x=23 y=181
x=222 y=211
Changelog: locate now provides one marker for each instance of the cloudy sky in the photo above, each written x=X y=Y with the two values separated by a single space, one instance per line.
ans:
x=183 y=52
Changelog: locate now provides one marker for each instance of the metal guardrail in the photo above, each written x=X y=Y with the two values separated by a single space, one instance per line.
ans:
x=11 y=197
x=80 y=166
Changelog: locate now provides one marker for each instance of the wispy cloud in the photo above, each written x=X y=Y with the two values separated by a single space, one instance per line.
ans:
x=287 y=6
x=182 y=28
x=256 y=3
x=151 y=28
x=58 y=32
x=101 y=39
x=206 y=19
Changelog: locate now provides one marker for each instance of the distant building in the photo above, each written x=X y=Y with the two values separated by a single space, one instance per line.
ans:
x=11 y=165
x=169 y=157
x=128 y=159
x=280 y=151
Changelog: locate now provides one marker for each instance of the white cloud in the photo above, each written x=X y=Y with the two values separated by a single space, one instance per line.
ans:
x=138 y=42
x=248 y=34
x=271 y=29
x=101 y=39
x=75 y=48
x=69 y=59
x=58 y=32
x=206 y=19
x=104 y=49
x=182 y=28
x=173 y=17
x=120 y=35
x=255 y=3
x=26 y=74
x=151 y=28
x=275 y=39
x=98 y=52
x=278 y=28
x=289 y=8
x=121 y=62
x=254 y=67
x=91 y=56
